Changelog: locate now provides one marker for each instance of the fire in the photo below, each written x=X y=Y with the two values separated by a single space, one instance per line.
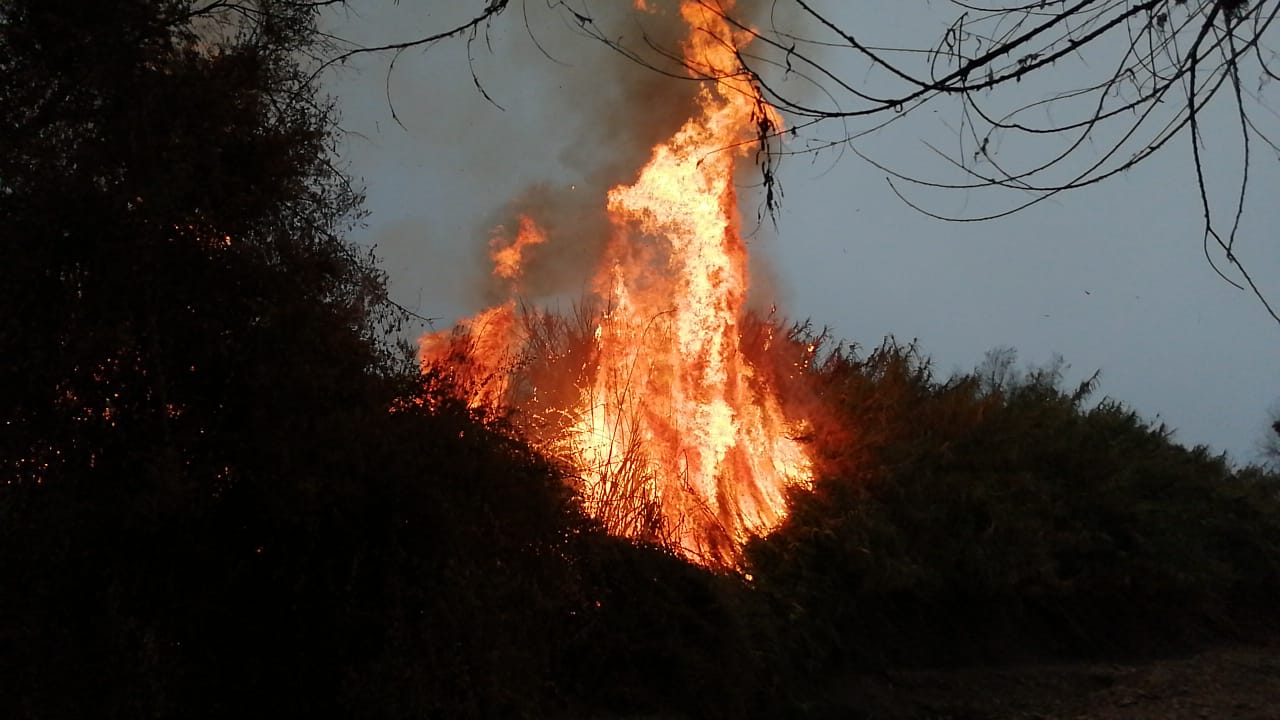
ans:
x=507 y=259
x=675 y=435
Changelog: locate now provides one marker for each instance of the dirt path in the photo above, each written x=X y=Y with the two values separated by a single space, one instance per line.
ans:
x=1241 y=683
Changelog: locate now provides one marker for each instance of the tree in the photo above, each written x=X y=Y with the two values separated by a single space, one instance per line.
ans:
x=182 y=320
x=205 y=223
x=1042 y=97
x=207 y=504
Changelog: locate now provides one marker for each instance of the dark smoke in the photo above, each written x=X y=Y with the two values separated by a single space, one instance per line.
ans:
x=619 y=109
x=577 y=119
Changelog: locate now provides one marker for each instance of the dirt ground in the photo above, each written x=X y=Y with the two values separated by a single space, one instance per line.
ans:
x=1237 y=682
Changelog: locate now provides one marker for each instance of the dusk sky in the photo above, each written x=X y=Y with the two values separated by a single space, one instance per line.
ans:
x=1111 y=277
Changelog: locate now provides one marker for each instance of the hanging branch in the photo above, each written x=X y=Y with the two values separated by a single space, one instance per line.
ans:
x=1101 y=85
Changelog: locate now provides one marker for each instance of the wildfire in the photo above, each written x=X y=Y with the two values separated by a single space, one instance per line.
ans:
x=507 y=259
x=675 y=435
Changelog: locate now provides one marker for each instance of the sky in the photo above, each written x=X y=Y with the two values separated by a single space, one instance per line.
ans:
x=1111 y=277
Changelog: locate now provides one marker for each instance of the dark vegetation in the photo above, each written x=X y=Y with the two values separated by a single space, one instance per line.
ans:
x=219 y=498
x=997 y=516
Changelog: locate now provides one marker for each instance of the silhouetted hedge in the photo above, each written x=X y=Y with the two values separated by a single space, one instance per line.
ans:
x=994 y=515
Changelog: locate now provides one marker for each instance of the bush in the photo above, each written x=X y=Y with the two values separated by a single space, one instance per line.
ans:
x=995 y=513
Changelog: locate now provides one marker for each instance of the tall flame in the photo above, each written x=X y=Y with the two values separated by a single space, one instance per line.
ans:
x=675 y=434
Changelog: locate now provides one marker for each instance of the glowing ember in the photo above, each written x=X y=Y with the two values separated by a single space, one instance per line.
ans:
x=676 y=437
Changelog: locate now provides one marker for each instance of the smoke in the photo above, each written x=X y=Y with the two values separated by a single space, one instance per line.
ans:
x=619 y=108
x=570 y=118
x=615 y=110
x=624 y=106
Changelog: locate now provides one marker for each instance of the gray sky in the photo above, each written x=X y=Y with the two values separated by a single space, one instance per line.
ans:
x=1111 y=277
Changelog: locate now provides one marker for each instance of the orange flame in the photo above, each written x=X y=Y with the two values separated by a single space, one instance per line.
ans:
x=508 y=259
x=675 y=434
x=483 y=348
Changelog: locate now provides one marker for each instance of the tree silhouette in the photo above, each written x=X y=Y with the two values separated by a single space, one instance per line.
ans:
x=208 y=506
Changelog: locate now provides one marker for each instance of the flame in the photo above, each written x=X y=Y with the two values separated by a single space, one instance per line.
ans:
x=508 y=259
x=482 y=349
x=675 y=435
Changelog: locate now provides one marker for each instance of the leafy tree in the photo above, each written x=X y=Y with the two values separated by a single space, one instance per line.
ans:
x=172 y=227
x=208 y=506
x=182 y=320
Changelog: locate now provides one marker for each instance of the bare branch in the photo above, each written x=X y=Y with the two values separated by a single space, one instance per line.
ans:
x=1109 y=84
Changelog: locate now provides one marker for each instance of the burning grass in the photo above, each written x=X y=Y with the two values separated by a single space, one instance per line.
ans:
x=598 y=433
x=672 y=433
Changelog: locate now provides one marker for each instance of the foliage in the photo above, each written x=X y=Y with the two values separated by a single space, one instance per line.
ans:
x=173 y=267
x=207 y=507
x=970 y=511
